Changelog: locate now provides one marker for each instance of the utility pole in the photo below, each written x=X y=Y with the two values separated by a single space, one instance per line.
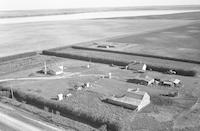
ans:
x=45 y=67
x=11 y=90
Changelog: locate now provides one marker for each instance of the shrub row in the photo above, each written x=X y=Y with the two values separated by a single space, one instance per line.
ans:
x=137 y=54
x=165 y=69
x=5 y=91
x=85 y=58
x=119 y=62
x=17 y=56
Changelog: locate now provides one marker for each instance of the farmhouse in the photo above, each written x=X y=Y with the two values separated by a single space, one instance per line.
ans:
x=140 y=67
x=133 y=99
x=52 y=70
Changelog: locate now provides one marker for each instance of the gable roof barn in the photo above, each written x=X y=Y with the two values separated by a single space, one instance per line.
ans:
x=135 y=100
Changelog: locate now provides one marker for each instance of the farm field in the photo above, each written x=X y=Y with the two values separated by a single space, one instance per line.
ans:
x=180 y=42
x=181 y=16
x=177 y=42
x=34 y=36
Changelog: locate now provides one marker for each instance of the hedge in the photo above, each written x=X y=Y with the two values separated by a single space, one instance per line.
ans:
x=17 y=56
x=138 y=54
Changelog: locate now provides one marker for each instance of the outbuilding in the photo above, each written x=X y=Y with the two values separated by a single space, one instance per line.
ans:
x=171 y=83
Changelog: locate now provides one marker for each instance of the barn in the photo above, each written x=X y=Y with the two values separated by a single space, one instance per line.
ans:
x=133 y=99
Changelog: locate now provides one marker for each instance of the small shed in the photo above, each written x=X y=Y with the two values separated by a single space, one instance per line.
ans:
x=171 y=83
x=140 y=67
